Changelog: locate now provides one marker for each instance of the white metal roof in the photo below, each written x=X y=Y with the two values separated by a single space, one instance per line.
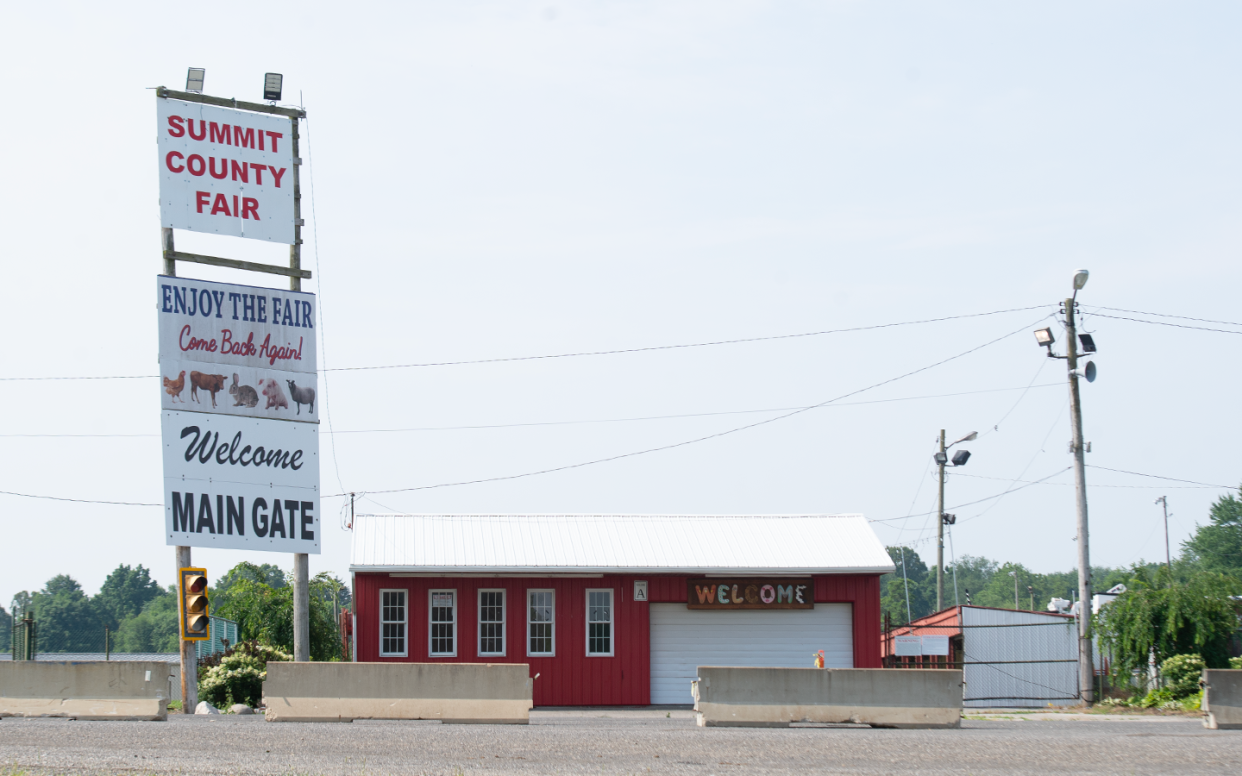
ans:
x=565 y=544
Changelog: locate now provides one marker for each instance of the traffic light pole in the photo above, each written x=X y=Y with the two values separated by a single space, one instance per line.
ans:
x=1086 y=667
x=189 y=650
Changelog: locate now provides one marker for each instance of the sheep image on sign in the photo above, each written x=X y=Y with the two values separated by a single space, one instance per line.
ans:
x=750 y=593
x=225 y=171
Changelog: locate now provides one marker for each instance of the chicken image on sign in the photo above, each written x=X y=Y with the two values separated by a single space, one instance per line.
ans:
x=225 y=171
x=237 y=350
x=240 y=483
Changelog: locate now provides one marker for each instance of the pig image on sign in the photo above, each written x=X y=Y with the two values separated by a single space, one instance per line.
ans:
x=274 y=393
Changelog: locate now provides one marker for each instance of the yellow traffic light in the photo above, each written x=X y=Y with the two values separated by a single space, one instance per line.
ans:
x=195 y=620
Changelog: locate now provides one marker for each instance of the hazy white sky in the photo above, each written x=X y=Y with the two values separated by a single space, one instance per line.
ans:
x=509 y=179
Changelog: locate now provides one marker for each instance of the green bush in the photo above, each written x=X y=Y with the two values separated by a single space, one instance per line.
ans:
x=239 y=674
x=1181 y=674
x=1235 y=662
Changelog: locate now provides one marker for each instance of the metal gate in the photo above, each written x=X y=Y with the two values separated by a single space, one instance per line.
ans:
x=1005 y=660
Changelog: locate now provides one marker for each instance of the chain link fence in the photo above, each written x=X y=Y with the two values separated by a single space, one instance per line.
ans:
x=30 y=639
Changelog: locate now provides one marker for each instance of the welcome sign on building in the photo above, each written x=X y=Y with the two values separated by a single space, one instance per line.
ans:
x=239 y=420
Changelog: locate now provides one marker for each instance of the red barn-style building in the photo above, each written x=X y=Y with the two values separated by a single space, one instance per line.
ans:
x=617 y=609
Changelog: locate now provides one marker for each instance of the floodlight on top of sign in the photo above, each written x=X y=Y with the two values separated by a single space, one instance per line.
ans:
x=194 y=79
x=272 y=83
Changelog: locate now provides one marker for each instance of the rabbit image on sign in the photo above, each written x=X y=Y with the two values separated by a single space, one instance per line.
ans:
x=243 y=395
x=275 y=395
x=301 y=396
x=174 y=387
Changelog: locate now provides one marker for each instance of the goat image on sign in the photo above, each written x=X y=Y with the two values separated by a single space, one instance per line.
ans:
x=750 y=593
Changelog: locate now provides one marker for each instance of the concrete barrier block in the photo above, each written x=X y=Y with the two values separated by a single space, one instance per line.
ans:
x=87 y=691
x=777 y=697
x=450 y=692
x=1222 y=699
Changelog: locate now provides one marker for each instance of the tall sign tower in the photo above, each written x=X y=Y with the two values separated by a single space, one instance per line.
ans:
x=239 y=402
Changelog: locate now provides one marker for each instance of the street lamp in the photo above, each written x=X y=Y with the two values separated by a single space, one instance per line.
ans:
x=1086 y=670
x=942 y=459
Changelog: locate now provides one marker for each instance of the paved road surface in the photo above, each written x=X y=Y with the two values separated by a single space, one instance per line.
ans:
x=612 y=742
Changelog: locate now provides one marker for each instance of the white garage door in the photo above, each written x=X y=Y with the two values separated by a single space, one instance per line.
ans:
x=683 y=639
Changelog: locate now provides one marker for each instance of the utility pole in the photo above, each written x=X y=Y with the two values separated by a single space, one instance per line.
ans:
x=1014 y=574
x=1030 y=589
x=1086 y=667
x=189 y=649
x=1168 y=556
x=940 y=462
x=301 y=560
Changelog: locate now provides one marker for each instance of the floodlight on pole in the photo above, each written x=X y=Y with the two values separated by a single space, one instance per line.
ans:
x=272 y=83
x=1088 y=343
x=194 y=80
x=1080 y=279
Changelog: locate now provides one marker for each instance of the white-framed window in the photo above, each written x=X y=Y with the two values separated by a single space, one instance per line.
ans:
x=443 y=630
x=599 y=622
x=492 y=623
x=392 y=623
x=541 y=623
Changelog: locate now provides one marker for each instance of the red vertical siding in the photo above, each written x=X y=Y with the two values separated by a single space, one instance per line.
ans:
x=571 y=678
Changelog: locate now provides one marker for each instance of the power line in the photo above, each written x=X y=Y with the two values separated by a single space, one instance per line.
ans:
x=696 y=440
x=1166 y=315
x=1158 y=477
x=1093 y=485
x=545 y=357
x=1165 y=323
x=80 y=500
x=972 y=503
x=713 y=343
x=588 y=421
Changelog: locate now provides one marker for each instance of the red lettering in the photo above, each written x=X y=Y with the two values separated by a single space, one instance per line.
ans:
x=233 y=347
x=260 y=140
x=273 y=136
x=224 y=167
x=250 y=208
x=220 y=205
x=168 y=160
x=194 y=343
x=221 y=133
x=200 y=199
x=240 y=171
x=202 y=165
x=243 y=136
x=706 y=594
x=176 y=126
x=277 y=174
x=202 y=129
x=258 y=171
x=236 y=212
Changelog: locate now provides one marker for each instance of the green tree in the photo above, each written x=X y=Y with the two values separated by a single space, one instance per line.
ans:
x=265 y=613
x=6 y=629
x=973 y=574
x=154 y=629
x=125 y=592
x=1197 y=617
x=67 y=620
x=894 y=587
x=21 y=604
x=1217 y=546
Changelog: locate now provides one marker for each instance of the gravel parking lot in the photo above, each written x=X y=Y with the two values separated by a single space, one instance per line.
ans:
x=613 y=742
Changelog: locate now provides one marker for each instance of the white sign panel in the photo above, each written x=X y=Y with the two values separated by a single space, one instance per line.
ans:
x=240 y=483
x=935 y=645
x=237 y=350
x=225 y=171
x=907 y=646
